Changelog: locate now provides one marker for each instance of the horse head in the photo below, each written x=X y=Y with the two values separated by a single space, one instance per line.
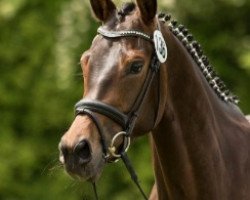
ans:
x=121 y=96
x=132 y=85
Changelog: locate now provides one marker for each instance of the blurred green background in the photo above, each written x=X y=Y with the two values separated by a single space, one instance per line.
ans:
x=40 y=80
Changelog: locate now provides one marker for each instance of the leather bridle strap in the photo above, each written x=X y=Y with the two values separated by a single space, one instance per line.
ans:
x=103 y=109
x=126 y=121
x=154 y=67
x=119 y=34
x=92 y=116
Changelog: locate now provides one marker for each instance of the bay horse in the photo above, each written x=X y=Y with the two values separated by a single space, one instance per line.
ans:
x=144 y=74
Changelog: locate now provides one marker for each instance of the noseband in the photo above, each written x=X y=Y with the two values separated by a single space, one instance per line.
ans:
x=125 y=120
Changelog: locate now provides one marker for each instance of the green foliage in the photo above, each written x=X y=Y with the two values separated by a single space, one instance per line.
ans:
x=40 y=80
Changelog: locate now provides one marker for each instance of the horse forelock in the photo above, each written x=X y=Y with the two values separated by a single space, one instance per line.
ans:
x=126 y=9
x=128 y=17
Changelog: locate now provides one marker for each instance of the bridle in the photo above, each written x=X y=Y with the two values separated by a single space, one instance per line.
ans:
x=126 y=121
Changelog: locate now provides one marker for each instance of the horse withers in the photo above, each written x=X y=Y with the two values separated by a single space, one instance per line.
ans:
x=140 y=76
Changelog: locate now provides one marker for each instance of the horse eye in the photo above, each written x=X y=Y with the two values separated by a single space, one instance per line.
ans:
x=136 y=67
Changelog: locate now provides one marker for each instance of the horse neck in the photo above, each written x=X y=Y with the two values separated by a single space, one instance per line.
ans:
x=186 y=148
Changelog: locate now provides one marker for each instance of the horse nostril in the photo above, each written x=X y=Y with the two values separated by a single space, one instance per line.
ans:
x=83 y=151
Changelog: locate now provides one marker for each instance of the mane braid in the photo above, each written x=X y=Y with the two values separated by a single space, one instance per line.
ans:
x=195 y=50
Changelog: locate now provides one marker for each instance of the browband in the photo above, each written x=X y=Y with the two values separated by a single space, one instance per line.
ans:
x=130 y=33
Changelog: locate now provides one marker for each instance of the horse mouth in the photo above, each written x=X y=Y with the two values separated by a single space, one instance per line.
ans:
x=82 y=174
x=87 y=172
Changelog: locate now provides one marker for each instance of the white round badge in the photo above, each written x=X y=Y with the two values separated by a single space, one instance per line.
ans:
x=160 y=46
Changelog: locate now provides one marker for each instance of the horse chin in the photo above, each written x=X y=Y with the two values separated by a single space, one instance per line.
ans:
x=90 y=172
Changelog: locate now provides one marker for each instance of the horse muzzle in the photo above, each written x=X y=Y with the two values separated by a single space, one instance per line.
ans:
x=81 y=159
x=75 y=159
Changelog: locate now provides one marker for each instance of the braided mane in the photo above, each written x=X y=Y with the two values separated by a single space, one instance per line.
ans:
x=195 y=50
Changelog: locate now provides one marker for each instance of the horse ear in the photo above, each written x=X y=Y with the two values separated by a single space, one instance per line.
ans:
x=148 y=9
x=103 y=9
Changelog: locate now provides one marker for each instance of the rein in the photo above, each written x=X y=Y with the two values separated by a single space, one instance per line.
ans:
x=126 y=121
